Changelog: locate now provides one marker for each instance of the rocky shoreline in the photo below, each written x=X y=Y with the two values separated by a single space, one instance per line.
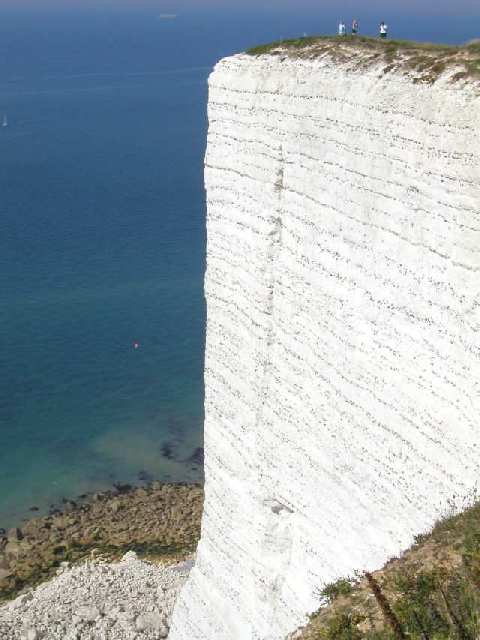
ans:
x=159 y=520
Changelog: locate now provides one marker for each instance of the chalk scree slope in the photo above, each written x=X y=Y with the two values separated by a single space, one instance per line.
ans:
x=127 y=600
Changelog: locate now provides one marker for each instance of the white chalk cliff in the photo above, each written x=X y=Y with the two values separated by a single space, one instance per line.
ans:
x=343 y=347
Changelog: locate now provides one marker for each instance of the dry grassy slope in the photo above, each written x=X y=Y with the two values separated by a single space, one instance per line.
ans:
x=432 y=592
x=425 y=61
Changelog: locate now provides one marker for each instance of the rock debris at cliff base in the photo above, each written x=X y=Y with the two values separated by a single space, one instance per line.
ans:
x=128 y=600
x=158 y=520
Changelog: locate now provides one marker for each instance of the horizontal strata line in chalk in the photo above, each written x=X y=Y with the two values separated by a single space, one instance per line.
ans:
x=319 y=171
x=322 y=123
x=433 y=429
x=328 y=176
x=229 y=312
x=459 y=183
x=330 y=366
x=390 y=365
x=260 y=93
x=348 y=150
x=427 y=418
x=384 y=468
x=402 y=310
x=330 y=124
x=361 y=268
x=336 y=210
x=407 y=426
x=222 y=244
x=432 y=468
x=231 y=198
x=224 y=196
x=218 y=205
x=337 y=319
x=359 y=440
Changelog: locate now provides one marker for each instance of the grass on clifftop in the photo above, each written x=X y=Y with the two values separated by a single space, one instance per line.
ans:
x=426 y=61
x=431 y=593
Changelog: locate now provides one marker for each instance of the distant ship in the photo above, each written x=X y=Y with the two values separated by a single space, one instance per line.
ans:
x=5 y=121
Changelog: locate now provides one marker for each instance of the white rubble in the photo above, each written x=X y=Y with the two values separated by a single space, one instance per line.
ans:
x=343 y=341
x=128 y=600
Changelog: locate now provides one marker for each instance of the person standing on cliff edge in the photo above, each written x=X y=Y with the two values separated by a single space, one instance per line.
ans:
x=383 y=30
x=342 y=29
x=354 y=27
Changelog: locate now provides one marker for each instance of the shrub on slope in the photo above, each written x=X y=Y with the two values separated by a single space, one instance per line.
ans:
x=431 y=593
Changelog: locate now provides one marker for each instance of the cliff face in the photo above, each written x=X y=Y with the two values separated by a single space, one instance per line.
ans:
x=343 y=352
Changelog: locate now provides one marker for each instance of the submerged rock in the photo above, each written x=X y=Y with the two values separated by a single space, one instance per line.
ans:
x=15 y=534
x=197 y=457
x=167 y=451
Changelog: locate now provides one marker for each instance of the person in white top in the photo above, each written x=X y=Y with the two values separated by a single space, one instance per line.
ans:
x=342 y=29
x=383 y=30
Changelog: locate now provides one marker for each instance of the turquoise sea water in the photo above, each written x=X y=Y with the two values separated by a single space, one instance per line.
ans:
x=102 y=244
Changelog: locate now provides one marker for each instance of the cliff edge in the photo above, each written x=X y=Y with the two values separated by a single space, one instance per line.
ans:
x=343 y=355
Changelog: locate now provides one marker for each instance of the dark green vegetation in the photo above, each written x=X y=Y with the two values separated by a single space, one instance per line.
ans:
x=333 y=590
x=431 y=593
x=425 y=61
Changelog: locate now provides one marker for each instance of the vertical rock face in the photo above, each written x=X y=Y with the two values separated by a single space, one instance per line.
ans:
x=343 y=353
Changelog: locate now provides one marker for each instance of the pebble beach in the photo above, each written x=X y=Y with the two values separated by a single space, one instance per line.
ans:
x=126 y=600
x=107 y=566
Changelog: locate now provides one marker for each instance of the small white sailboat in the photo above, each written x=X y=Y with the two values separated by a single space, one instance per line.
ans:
x=5 y=121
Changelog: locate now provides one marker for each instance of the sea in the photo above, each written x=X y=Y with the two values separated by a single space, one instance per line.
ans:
x=102 y=239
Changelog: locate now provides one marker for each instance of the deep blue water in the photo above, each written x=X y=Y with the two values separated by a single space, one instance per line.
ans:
x=102 y=240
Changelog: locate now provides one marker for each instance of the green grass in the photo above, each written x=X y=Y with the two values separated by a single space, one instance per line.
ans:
x=356 y=41
x=296 y=43
x=424 y=59
x=336 y=589
x=431 y=593
x=364 y=42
